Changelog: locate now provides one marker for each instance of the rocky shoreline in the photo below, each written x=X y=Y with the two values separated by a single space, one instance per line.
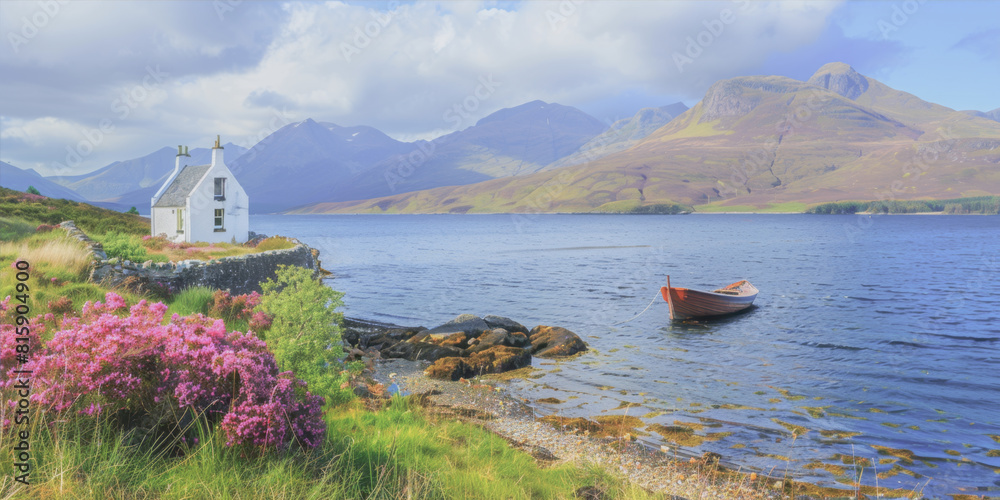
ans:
x=465 y=347
x=419 y=362
x=446 y=375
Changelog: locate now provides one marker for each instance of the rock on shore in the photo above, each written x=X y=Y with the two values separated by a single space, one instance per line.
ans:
x=466 y=346
x=554 y=342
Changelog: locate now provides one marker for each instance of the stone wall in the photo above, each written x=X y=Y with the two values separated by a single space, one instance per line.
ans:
x=238 y=274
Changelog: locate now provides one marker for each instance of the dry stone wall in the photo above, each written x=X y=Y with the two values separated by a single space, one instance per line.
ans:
x=238 y=274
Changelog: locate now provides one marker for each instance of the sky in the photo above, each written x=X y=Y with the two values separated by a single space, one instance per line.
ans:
x=83 y=84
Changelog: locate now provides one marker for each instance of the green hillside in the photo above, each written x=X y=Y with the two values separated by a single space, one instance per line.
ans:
x=92 y=220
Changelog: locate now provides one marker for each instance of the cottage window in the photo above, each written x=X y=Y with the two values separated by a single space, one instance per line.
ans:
x=180 y=220
x=219 y=219
x=220 y=188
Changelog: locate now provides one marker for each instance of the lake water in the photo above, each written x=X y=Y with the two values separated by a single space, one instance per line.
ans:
x=886 y=326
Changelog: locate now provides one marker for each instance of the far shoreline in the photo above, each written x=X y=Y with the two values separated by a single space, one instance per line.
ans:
x=602 y=213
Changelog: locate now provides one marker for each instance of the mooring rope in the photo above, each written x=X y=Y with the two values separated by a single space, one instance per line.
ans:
x=643 y=311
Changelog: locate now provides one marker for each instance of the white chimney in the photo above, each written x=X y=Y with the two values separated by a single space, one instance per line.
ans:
x=181 y=151
x=217 y=153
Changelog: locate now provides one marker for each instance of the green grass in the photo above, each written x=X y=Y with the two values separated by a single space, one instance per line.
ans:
x=712 y=208
x=92 y=220
x=789 y=207
x=190 y=301
x=274 y=243
x=126 y=246
x=12 y=229
x=397 y=452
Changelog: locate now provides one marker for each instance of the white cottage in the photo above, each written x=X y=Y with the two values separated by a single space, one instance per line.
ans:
x=201 y=202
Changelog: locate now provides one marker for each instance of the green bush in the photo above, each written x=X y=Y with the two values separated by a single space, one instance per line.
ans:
x=124 y=246
x=305 y=334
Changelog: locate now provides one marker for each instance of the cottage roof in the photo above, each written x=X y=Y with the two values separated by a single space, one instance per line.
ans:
x=177 y=193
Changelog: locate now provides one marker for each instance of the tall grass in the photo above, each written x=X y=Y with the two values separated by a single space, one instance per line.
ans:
x=190 y=301
x=55 y=251
x=59 y=266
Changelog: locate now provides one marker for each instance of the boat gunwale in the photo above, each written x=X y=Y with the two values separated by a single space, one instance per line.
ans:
x=745 y=297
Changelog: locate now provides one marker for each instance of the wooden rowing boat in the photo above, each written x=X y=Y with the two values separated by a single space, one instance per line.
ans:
x=686 y=303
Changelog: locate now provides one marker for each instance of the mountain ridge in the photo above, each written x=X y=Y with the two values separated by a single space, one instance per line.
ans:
x=310 y=161
x=622 y=134
x=757 y=141
x=19 y=179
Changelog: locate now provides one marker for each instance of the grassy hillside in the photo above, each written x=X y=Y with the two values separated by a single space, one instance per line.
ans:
x=757 y=142
x=34 y=209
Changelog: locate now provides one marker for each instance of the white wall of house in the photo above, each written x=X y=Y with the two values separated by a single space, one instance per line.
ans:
x=202 y=205
x=164 y=221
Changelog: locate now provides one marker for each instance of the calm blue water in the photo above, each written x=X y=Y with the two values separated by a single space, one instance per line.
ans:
x=886 y=326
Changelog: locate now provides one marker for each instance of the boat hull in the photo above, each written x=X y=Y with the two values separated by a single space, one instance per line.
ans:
x=686 y=303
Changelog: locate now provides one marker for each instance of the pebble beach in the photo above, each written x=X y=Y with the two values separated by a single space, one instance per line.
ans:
x=488 y=403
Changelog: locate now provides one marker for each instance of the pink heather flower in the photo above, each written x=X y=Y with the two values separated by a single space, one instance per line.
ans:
x=114 y=301
x=102 y=363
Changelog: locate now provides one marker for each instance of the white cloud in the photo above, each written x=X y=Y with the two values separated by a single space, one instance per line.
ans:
x=397 y=70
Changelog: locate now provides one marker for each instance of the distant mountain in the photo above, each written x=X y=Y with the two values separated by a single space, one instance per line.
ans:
x=989 y=115
x=622 y=134
x=512 y=141
x=752 y=142
x=309 y=161
x=112 y=181
x=522 y=139
x=18 y=179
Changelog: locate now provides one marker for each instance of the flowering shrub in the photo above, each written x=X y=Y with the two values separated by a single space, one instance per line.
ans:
x=62 y=305
x=8 y=334
x=157 y=242
x=112 y=359
x=239 y=308
x=260 y=322
x=30 y=197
